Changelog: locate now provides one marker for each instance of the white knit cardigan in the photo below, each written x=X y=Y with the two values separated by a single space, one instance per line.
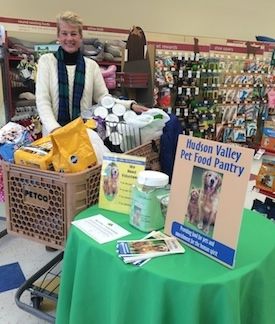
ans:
x=47 y=94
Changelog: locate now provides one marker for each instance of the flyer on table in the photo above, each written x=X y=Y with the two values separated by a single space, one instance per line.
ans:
x=207 y=196
x=118 y=174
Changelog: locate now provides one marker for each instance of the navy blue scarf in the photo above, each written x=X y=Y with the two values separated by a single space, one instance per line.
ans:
x=79 y=81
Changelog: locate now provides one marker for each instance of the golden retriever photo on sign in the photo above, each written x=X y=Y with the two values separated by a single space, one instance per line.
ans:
x=111 y=181
x=203 y=199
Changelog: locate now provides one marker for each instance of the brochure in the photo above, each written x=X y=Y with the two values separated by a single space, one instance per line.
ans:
x=207 y=196
x=144 y=249
x=118 y=174
x=139 y=262
x=100 y=228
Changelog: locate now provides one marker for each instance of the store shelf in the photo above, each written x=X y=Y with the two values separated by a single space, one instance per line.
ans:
x=109 y=63
x=264 y=192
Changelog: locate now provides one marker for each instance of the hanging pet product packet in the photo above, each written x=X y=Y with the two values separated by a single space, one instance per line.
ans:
x=72 y=149
x=265 y=179
x=200 y=212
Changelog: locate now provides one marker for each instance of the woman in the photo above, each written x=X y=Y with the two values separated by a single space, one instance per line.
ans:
x=67 y=82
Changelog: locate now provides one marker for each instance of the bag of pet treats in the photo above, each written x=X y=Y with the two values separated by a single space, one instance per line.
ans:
x=37 y=154
x=12 y=136
x=268 y=138
x=72 y=149
x=266 y=177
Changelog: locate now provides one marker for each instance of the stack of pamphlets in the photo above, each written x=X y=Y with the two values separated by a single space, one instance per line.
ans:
x=154 y=244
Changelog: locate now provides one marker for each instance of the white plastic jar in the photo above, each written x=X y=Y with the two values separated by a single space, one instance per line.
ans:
x=146 y=213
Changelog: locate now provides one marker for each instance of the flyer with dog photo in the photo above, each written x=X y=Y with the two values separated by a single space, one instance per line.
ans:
x=118 y=174
x=207 y=196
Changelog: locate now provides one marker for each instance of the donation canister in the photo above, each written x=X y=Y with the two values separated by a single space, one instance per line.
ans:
x=145 y=213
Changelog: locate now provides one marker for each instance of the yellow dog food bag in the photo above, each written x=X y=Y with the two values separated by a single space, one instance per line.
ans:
x=72 y=149
x=38 y=154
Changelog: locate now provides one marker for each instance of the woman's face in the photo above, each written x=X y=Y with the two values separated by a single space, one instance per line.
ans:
x=69 y=37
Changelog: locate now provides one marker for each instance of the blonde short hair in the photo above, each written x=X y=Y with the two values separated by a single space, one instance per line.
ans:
x=70 y=18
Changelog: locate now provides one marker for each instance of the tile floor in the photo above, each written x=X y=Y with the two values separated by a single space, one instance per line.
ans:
x=32 y=256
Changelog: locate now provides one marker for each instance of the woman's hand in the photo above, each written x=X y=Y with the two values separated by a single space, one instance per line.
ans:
x=138 y=108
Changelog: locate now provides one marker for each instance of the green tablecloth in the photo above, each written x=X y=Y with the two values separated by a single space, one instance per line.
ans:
x=98 y=288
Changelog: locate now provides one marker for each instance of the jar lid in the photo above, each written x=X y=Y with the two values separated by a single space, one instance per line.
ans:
x=129 y=116
x=112 y=120
x=107 y=102
x=118 y=109
x=101 y=112
x=153 y=178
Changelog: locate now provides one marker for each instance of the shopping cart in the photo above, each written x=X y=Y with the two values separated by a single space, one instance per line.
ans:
x=43 y=288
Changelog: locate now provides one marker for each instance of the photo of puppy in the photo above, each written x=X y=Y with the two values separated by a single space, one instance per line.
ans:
x=110 y=180
x=193 y=207
x=208 y=200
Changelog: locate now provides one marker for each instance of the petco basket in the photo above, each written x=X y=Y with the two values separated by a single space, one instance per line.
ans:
x=40 y=205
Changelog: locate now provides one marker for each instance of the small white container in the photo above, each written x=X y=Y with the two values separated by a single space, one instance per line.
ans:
x=107 y=102
x=118 y=109
x=115 y=138
x=101 y=112
x=125 y=129
x=112 y=120
x=129 y=115
x=146 y=213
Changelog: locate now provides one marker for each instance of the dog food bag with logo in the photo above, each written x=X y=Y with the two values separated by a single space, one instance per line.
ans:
x=72 y=149
x=37 y=154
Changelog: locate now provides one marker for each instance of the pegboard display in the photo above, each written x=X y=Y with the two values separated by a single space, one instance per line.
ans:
x=223 y=97
x=40 y=205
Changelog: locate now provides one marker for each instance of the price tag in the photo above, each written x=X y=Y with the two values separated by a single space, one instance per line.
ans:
x=180 y=73
x=197 y=90
x=259 y=154
x=188 y=91
x=179 y=90
x=189 y=74
x=198 y=74
x=178 y=112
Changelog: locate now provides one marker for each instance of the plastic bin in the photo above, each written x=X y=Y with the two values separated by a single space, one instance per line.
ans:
x=40 y=205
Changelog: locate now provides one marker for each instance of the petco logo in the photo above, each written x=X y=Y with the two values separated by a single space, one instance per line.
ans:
x=36 y=196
